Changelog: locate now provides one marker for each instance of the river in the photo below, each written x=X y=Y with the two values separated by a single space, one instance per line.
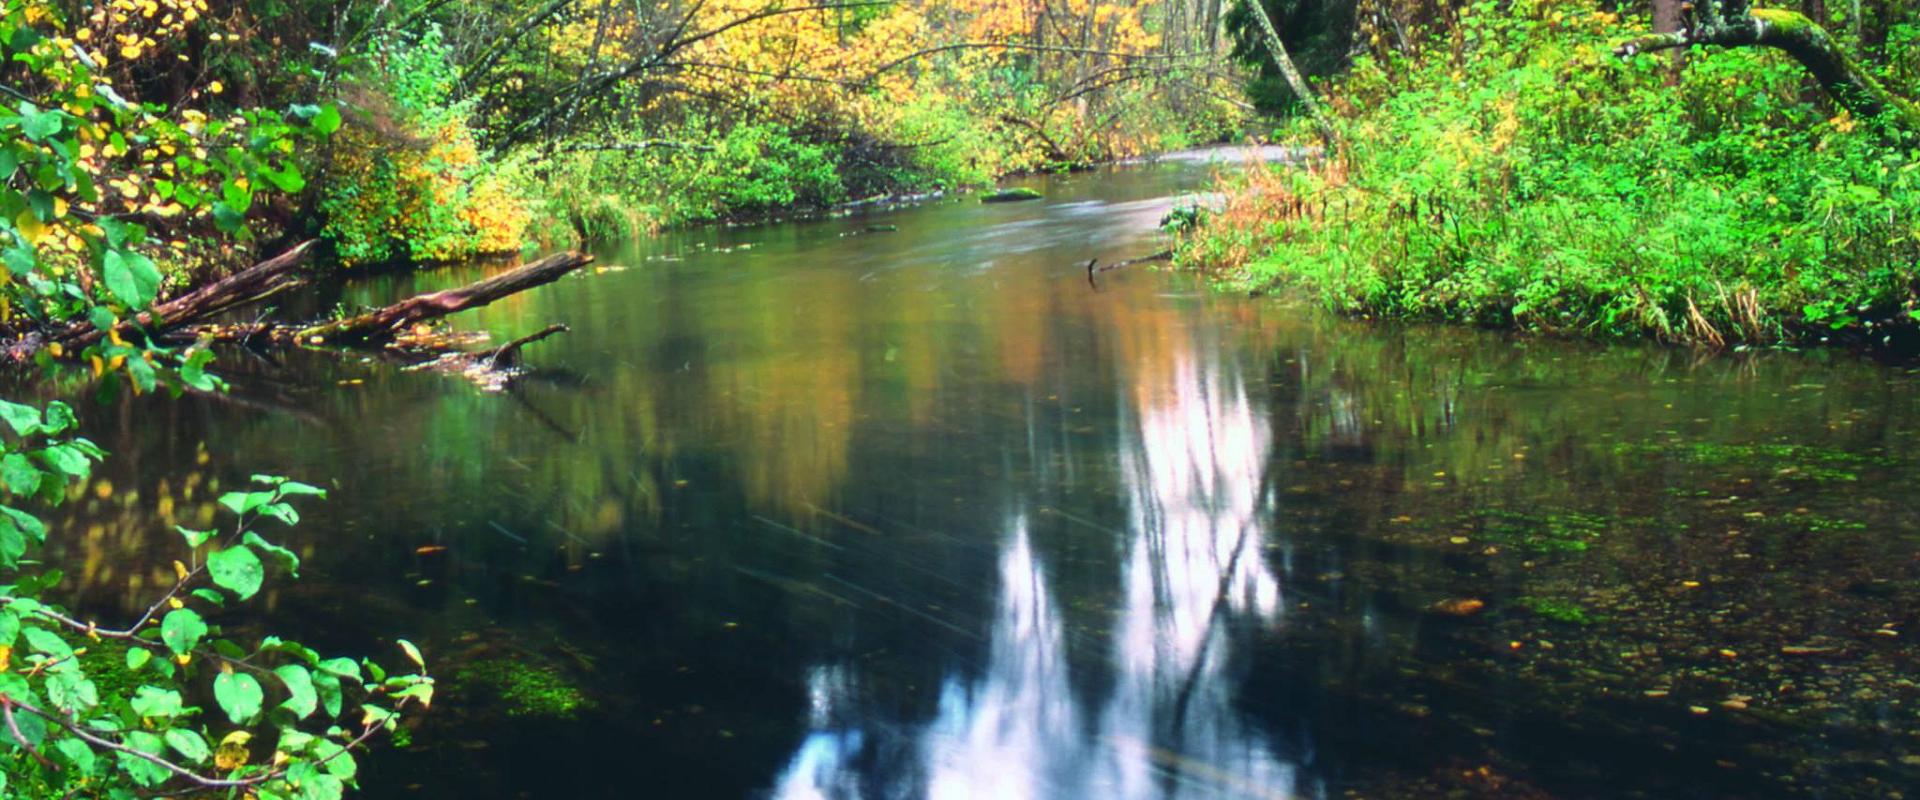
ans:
x=833 y=510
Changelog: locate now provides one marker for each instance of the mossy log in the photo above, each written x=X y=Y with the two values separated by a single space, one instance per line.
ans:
x=383 y=324
x=1735 y=23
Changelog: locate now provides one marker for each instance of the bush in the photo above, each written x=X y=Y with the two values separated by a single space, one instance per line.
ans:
x=407 y=181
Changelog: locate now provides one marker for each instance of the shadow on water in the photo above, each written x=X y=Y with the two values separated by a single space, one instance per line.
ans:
x=820 y=511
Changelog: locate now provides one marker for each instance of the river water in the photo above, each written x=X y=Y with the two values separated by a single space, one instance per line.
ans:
x=826 y=510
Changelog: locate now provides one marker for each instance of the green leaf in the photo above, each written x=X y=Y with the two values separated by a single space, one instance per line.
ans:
x=182 y=630
x=327 y=121
x=131 y=277
x=193 y=371
x=69 y=690
x=13 y=545
x=236 y=569
x=155 y=702
x=286 y=179
x=239 y=695
x=144 y=772
x=327 y=686
x=194 y=538
x=39 y=124
x=27 y=523
x=23 y=419
x=20 y=260
x=301 y=700
x=76 y=752
x=59 y=419
x=413 y=653
x=188 y=744
x=293 y=488
x=138 y=657
x=41 y=640
x=289 y=560
x=20 y=475
x=9 y=627
x=67 y=459
x=339 y=762
x=245 y=502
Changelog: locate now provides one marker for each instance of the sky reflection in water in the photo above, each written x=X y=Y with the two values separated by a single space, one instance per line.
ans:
x=1193 y=455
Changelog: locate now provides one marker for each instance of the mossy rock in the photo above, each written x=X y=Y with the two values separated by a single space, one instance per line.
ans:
x=1014 y=195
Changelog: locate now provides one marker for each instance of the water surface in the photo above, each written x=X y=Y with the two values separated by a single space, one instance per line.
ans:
x=817 y=511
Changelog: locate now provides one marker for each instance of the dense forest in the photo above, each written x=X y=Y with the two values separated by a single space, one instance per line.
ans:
x=1711 y=173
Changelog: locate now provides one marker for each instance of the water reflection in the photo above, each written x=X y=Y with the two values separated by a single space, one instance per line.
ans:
x=1193 y=462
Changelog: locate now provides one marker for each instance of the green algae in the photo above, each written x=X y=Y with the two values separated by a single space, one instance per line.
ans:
x=525 y=690
x=1558 y=610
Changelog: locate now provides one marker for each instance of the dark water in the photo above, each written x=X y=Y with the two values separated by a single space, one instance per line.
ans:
x=802 y=511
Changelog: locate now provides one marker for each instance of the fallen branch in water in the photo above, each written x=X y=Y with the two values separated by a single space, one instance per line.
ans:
x=251 y=285
x=382 y=325
x=1093 y=268
x=510 y=352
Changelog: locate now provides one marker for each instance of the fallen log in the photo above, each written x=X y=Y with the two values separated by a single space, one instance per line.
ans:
x=383 y=324
x=250 y=285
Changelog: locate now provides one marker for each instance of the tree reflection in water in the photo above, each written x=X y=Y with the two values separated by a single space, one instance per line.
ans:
x=1194 y=466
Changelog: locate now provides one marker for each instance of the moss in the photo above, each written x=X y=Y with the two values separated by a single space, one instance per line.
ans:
x=1783 y=460
x=527 y=690
x=1558 y=610
x=1013 y=195
x=1550 y=532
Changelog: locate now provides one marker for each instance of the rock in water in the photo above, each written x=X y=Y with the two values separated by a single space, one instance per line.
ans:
x=1014 y=195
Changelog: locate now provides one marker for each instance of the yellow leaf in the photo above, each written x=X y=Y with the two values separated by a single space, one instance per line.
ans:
x=29 y=226
x=232 y=752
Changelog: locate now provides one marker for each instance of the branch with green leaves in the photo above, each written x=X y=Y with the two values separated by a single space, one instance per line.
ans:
x=68 y=731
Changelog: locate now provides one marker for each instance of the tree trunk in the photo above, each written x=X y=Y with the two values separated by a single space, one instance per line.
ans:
x=1667 y=19
x=1739 y=25
x=384 y=323
x=1295 y=80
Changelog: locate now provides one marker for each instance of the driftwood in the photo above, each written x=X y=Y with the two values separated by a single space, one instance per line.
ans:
x=1093 y=268
x=250 y=285
x=381 y=325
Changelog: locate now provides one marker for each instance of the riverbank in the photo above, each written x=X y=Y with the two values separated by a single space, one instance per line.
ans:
x=1525 y=177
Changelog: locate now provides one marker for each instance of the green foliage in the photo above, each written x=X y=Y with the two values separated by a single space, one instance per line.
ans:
x=681 y=177
x=96 y=192
x=1538 y=181
x=407 y=181
x=125 y=726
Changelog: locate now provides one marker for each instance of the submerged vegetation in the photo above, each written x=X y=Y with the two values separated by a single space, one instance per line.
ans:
x=1505 y=165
